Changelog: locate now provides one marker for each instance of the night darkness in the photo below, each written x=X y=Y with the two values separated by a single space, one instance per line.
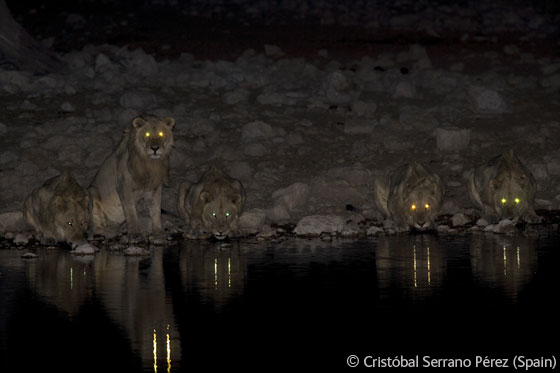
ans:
x=316 y=112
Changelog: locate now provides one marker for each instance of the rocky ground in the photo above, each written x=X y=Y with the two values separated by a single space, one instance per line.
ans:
x=306 y=120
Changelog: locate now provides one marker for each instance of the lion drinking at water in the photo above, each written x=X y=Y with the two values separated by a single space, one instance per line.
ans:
x=411 y=196
x=213 y=204
x=59 y=210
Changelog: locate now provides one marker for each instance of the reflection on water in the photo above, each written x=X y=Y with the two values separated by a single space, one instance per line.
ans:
x=216 y=273
x=160 y=303
x=507 y=262
x=414 y=264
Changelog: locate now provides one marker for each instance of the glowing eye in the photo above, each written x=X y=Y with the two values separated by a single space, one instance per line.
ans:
x=517 y=200
x=427 y=206
x=147 y=134
x=413 y=207
x=214 y=214
x=227 y=214
x=160 y=133
x=504 y=201
x=69 y=223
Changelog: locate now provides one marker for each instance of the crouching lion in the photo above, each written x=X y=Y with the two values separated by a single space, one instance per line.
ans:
x=411 y=196
x=213 y=204
x=136 y=170
x=504 y=188
x=59 y=210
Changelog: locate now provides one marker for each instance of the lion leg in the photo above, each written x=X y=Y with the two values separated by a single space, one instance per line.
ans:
x=153 y=200
x=129 y=208
x=184 y=189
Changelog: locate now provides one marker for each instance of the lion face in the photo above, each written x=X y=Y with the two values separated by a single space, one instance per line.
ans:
x=509 y=198
x=220 y=215
x=421 y=207
x=71 y=219
x=153 y=137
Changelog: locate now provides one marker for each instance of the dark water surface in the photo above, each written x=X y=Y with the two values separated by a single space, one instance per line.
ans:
x=298 y=303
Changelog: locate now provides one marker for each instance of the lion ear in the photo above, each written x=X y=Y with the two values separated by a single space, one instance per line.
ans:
x=236 y=199
x=170 y=122
x=138 y=122
x=205 y=197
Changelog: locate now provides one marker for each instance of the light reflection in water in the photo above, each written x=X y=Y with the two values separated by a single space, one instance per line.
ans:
x=505 y=262
x=414 y=264
x=167 y=349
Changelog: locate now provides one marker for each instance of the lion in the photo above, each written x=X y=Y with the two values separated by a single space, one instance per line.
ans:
x=504 y=188
x=59 y=210
x=136 y=170
x=213 y=204
x=411 y=196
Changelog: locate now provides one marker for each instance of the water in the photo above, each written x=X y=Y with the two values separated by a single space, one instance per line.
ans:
x=304 y=303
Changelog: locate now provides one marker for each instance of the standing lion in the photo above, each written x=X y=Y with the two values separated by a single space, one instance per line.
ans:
x=136 y=170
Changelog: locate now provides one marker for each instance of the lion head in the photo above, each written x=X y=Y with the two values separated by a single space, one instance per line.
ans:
x=220 y=214
x=509 y=197
x=152 y=137
x=71 y=218
x=421 y=204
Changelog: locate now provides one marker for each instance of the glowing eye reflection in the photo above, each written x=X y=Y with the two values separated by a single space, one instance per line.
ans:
x=427 y=206
x=504 y=201
x=227 y=214
x=147 y=134
x=517 y=200
x=413 y=207
x=214 y=214
x=160 y=133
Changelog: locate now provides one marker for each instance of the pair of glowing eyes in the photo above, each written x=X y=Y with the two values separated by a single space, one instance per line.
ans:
x=413 y=206
x=160 y=134
x=227 y=214
x=504 y=201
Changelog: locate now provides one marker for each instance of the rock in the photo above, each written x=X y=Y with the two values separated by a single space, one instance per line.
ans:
x=252 y=221
x=482 y=222
x=314 y=225
x=85 y=249
x=278 y=213
x=142 y=63
x=236 y=96
x=241 y=170
x=22 y=238
x=487 y=101
x=364 y=109
x=136 y=251
x=3 y=128
x=273 y=51
x=266 y=232
x=459 y=219
x=293 y=196
x=102 y=62
x=505 y=226
x=339 y=90
x=255 y=150
x=12 y=222
x=294 y=138
x=359 y=126
x=137 y=99
x=404 y=89
x=373 y=231
x=272 y=98
x=257 y=129
x=29 y=255
x=552 y=81
x=67 y=107
x=452 y=139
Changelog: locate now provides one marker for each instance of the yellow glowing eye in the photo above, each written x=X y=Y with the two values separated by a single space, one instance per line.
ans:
x=413 y=207
x=160 y=133
x=504 y=201
x=147 y=134
x=517 y=200
x=427 y=206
